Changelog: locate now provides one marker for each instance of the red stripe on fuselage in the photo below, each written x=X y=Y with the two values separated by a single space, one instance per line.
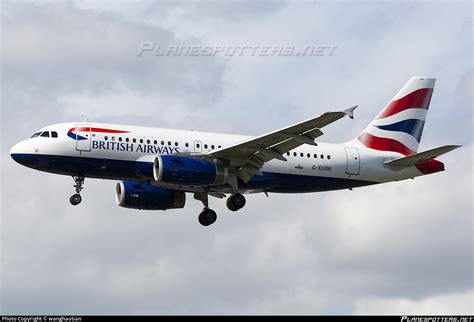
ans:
x=418 y=99
x=383 y=144
x=96 y=129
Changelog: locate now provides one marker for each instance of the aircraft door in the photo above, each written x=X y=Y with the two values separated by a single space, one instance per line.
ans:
x=83 y=137
x=197 y=146
x=353 y=161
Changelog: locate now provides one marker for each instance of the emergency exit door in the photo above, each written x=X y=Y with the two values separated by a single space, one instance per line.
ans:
x=197 y=146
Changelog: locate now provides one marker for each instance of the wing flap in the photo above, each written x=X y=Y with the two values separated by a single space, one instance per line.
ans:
x=305 y=139
x=248 y=171
x=272 y=153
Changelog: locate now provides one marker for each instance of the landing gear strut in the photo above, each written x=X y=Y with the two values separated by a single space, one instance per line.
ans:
x=76 y=198
x=235 y=202
x=207 y=216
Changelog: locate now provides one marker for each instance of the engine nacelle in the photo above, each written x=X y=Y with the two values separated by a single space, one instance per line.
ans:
x=137 y=195
x=187 y=171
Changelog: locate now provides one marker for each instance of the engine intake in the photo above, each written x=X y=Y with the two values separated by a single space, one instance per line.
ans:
x=137 y=195
x=187 y=171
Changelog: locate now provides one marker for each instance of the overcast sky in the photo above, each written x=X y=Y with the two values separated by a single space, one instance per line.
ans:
x=399 y=248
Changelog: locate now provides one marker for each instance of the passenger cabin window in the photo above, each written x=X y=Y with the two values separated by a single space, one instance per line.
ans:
x=175 y=143
x=322 y=156
x=141 y=140
x=205 y=146
x=212 y=146
x=127 y=139
x=120 y=139
x=329 y=157
x=294 y=154
x=315 y=156
x=54 y=134
x=147 y=141
x=155 y=142
x=134 y=140
x=186 y=145
x=106 y=138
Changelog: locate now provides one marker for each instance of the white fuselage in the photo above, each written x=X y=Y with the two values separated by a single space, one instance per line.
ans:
x=103 y=153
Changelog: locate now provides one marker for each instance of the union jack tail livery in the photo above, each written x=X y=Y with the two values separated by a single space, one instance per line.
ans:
x=398 y=127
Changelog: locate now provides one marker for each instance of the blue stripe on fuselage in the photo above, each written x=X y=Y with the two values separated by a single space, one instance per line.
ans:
x=132 y=170
x=75 y=136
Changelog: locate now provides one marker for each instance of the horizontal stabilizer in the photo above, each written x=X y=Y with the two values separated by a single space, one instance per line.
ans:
x=421 y=157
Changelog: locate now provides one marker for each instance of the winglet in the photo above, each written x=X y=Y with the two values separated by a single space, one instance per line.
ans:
x=350 y=111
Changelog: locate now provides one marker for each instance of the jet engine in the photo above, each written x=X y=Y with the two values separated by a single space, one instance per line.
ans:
x=187 y=171
x=137 y=195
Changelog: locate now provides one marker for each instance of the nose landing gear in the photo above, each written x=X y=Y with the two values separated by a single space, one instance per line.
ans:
x=76 y=198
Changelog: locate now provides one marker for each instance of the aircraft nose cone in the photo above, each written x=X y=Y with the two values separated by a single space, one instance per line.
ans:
x=21 y=154
x=15 y=152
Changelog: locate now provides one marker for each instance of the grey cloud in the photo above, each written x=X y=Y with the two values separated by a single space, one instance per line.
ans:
x=51 y=51
x=70 y=50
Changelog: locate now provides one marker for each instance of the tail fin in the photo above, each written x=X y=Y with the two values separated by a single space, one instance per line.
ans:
x=399 y=126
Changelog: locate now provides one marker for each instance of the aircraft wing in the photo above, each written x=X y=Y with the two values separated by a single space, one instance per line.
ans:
x=250 y=155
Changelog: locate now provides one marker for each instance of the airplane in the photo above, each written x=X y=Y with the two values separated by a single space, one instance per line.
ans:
x=157 y=167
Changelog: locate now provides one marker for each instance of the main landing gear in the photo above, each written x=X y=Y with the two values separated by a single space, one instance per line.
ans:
x=235 y=202
x=76 y=198
x=208 y=216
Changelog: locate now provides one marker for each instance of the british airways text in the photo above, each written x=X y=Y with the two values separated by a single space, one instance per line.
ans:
x=133 y=147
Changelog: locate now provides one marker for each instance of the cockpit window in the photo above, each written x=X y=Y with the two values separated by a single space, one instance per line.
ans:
x=45 y=134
